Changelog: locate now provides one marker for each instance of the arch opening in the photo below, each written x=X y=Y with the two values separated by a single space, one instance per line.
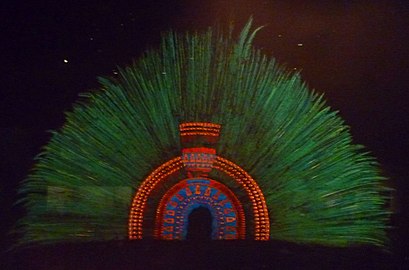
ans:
x=200 y=224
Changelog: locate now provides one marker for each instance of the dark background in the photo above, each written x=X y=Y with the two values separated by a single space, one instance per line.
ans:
x=356 y=52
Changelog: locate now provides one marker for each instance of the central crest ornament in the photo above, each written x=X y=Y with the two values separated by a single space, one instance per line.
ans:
x=199 y=141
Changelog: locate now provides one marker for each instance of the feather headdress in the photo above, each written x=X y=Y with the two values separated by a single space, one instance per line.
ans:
x=312 y=183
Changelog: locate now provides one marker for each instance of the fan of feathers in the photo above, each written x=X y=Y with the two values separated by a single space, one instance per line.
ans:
x=320 y=187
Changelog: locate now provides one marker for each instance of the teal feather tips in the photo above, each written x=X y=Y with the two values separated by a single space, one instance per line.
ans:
x=320 y=188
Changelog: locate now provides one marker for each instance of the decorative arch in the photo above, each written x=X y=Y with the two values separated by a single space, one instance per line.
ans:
x=164 y=171
x=228 y=220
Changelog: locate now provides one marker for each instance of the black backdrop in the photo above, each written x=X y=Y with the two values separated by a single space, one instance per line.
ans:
x=353 y=51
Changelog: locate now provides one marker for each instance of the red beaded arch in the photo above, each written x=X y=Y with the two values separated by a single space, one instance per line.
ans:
x=259 y=206
x=212 y=184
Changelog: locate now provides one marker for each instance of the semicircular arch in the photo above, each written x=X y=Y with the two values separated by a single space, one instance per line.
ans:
x=164 y=171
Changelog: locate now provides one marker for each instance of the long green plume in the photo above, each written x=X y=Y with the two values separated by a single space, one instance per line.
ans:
x=320 y=188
